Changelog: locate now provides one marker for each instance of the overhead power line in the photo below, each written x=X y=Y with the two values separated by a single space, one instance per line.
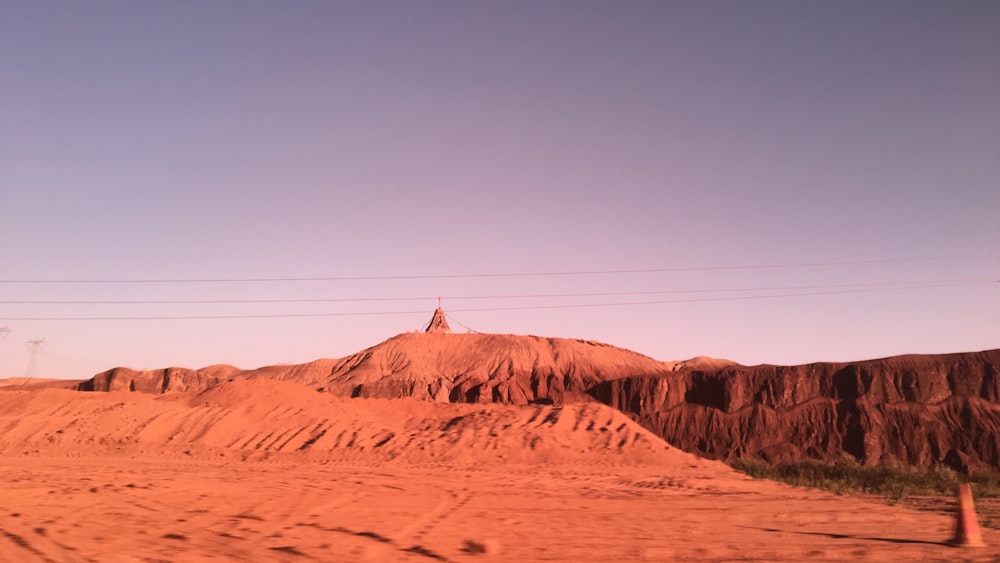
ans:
x=790 y=265
x=506 y=308
x=898 y=285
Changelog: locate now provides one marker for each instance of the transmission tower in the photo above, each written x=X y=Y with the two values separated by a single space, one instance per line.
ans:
x=34 y=347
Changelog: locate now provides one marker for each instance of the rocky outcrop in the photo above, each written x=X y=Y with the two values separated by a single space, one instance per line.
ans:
x=159 y=380
x=905 y=410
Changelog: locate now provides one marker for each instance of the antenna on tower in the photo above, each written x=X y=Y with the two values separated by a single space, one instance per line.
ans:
x=34 y=347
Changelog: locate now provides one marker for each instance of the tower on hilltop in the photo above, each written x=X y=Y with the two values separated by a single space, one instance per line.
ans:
x=438 y=324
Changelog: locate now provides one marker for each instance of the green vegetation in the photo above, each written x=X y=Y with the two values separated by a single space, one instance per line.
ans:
x=849 y=476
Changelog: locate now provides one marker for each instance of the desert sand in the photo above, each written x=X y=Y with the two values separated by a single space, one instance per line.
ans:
x=258 y=470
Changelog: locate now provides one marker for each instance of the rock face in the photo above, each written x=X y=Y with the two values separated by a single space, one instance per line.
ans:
x=905 y=410
x=158 y=380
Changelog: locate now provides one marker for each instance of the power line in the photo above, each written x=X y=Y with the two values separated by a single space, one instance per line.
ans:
x=900 y=285
x=491 y=309
x=790 y=265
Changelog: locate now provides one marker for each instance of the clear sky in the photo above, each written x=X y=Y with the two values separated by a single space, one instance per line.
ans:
x=680 y=150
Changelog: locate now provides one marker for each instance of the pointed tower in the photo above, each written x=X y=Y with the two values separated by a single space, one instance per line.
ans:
x=438 y=323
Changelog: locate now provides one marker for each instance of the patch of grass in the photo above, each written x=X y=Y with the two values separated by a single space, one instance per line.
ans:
x=848 y=476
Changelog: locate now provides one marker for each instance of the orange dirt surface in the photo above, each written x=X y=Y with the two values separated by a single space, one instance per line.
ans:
x=274 y=471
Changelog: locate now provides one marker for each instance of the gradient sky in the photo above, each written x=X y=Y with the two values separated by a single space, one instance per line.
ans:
x=248 y=140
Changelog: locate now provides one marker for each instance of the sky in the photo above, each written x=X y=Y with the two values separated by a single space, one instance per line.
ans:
x=255 y=183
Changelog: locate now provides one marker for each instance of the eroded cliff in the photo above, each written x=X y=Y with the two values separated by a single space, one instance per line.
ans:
x=905 y=410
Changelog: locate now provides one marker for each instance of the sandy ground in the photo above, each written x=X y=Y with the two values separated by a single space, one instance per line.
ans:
x=258 y=473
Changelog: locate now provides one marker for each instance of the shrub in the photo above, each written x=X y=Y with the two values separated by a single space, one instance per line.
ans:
x=847 y=475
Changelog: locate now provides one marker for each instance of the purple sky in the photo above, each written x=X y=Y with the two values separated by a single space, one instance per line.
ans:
x=235 y=140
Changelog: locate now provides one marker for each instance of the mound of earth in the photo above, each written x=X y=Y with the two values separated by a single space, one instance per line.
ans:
x=917 y=410
x=260 y=419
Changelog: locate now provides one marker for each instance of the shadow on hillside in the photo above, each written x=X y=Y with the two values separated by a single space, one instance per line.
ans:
x=849 y=536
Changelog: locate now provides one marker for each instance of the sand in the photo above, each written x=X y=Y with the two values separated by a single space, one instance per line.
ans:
x=273 y=471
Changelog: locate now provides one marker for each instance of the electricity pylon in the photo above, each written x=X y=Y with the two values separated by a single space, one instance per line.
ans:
x=34 y=347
